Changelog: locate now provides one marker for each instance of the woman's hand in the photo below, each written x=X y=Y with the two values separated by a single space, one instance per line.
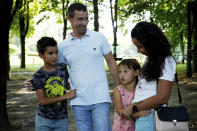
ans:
x=141 y=113
x=127 y=112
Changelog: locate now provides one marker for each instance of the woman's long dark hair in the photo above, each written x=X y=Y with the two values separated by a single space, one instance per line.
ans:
x=157 y=46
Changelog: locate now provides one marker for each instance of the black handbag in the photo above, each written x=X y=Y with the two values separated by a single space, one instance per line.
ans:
x=172 y=118
x=178 y=113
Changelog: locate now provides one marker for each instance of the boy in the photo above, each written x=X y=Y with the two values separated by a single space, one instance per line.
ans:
x=50 y=83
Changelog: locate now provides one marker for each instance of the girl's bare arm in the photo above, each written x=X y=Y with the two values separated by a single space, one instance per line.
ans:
x=117 y=101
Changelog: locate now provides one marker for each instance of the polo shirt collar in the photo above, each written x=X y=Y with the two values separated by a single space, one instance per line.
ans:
x=70 y=37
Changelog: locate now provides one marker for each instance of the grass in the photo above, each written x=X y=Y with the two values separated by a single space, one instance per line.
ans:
x=18 y=73
x=30 y=69
x=181 y=70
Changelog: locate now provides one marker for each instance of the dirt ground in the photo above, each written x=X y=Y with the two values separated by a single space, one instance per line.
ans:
x=22 y=104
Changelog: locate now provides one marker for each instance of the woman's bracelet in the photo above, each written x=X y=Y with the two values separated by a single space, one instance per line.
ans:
x=136 y=107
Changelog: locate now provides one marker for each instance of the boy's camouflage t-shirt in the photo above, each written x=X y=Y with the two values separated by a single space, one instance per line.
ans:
x=53 y=85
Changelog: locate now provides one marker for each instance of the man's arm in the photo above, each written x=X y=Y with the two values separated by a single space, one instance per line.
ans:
x=112 y=68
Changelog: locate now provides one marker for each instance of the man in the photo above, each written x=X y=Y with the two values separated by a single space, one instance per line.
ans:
x=84 y=51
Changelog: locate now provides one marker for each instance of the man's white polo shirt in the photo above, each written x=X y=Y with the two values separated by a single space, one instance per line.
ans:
x=85 y=58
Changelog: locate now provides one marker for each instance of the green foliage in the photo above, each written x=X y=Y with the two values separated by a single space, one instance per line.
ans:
x=13 y=49
x=33 y=11
x=52 y=6
x=170 y=15
x=55 y=6
x=181 y=67
x=45 y=17
x=181 y=70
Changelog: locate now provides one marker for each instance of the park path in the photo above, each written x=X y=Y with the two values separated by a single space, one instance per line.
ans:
x=22 y=104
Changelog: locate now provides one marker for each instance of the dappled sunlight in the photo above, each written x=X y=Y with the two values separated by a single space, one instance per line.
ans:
x=192 y=94
x=24 y=91
x=192 y=83
x=18 y=113
x=12 y=102
x=14 y=84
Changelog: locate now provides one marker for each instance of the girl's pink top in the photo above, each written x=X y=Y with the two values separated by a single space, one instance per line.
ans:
x=119 y=123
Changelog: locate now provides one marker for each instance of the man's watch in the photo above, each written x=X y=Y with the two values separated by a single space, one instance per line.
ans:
x=134 y=109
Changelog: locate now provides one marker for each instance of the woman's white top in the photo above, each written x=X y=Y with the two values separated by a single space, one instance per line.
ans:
x=146 y=89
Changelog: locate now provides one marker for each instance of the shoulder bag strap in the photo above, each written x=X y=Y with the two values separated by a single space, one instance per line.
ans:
x=179 y=93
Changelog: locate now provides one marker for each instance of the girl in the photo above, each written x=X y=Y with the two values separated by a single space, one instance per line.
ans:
x=156 y=75
x=123 y=95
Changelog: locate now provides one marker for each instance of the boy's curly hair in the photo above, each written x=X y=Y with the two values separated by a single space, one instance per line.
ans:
x=44 y=42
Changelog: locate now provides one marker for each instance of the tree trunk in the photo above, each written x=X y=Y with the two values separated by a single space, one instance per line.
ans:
x=22 y=39
x=22 y=51
x=114 y=25
x=8 y=69
x=182 y=47
x=194 y=58
x=189 y=69
x=96 y=15
x=24 y=26
x=65 y=15
x=5 y=11
x=14 y=10
x=194 y=54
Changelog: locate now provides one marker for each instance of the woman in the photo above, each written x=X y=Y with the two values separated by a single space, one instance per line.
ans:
x=156 y=76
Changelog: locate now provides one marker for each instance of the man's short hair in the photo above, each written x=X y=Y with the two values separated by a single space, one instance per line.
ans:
x=44 y=42
x=76 y=6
